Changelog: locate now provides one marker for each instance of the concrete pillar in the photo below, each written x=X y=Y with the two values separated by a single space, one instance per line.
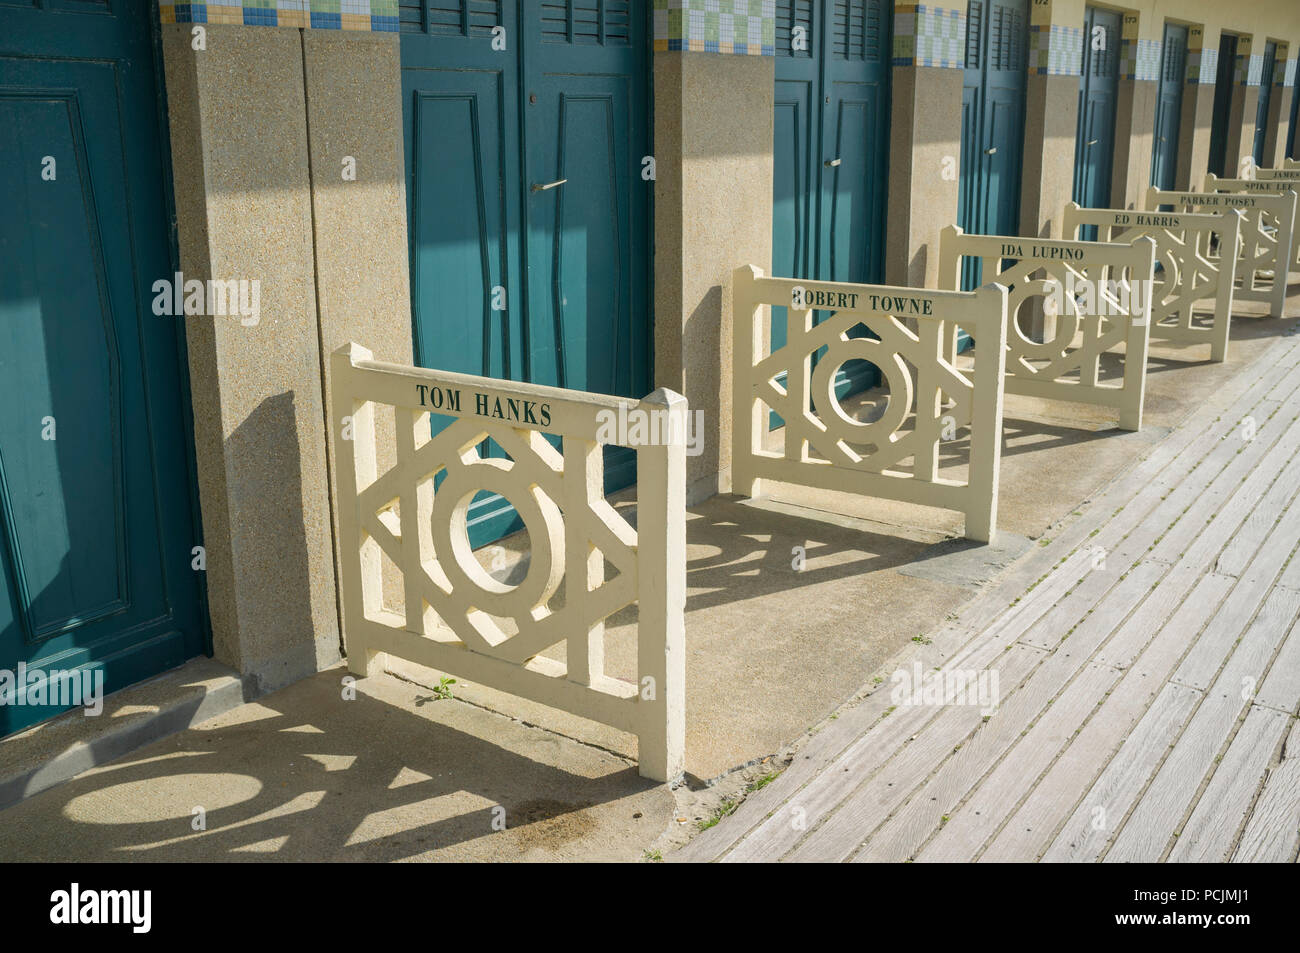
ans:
x=713 y=211
x=1277 y=150
x=362 y=259
x=261 y=195
x=924 y=157
x=1279 y=110
x=1135 y=113
x=1241 y=115
x=1051 y=116
x=1197 y=121
x=359 y=221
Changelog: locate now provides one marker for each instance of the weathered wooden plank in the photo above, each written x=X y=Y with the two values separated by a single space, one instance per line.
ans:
x=1091 y=592
x=865 y=808
x=1210 y=833
x=1229 y=621
x=836 y=738
x=1221 y=409
x=1013 y=763
x=1162 y=601
x=1291 y=574
x=866 y=758
x=801 y=809
x=1223 y=413
x=1111 y=614
x=1252 y=498
x=1009 y=622
x=1277 y=607
x=1250 y=461
x=1149 y=829
x=1016 y=715
x=1243 y=545
x=1278 y=391
x=1032 y=605
x=813 y=756
x=1133 y=496
x=1109 y=520
x=1085 y=835
x=1281 y=688
x=1071 y=655
x=1272 y=834
x=1031 y=829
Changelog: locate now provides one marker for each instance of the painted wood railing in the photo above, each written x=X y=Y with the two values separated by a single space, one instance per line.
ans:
x=1270 y=181
x=931 y=401
x=1189 y=274
x=1288 y=171
x=1057 y=280
x=459 y=619
x=1265 y=248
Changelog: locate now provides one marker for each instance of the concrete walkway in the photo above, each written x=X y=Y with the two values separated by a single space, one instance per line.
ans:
x=1148 y=667
x=309 y=774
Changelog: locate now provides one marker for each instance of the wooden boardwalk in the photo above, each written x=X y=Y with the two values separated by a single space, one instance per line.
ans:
x=1148 y=666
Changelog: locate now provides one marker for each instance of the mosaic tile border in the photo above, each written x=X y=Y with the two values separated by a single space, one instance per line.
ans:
x=374 y=16
x=929 y=36
x=1202 y=67
x=1249 y=69
x=1055 y=50
x=741 y=27
x=1140 y=59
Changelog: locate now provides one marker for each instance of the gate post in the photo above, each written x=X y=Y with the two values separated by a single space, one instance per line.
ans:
x=661 y=592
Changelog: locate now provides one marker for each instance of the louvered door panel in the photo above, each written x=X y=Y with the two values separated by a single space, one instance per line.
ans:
x=1098 y=101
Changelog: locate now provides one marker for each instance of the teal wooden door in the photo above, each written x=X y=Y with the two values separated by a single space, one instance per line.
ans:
x=1223 y=83
x=1265 y=100
x=96 y=524
x=525 y=129
x=1169 y=107
x=994 y=88
x=830 y=139
x=1295 y=117
x=797 y=125
x=1094 y=149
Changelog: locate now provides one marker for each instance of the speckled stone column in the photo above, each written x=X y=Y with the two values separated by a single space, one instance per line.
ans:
x=359 y=211
x=1134 y=132
x=1279 y=109
x=924 y=155
x=1051 y=127
x=1194 y=132
x=713 y=212
x=1279 y=132
x=238 y=120
x=1241 y=114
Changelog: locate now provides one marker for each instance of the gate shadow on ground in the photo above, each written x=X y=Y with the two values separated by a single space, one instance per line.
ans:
x=742 y=550
x=304 y=775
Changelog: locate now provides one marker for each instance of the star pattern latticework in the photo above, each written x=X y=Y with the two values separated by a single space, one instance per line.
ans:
x=419 y=523
x=912 y=364
x=1081 y=338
